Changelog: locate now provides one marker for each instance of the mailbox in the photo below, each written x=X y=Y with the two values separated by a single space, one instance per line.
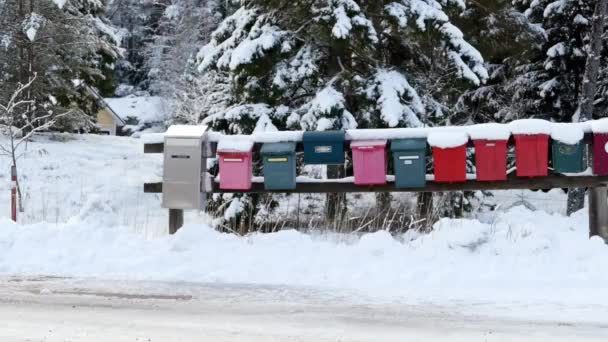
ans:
x=369 y=161
x=491 y=160
x=325 y=147
x=600 y=153
x=236 y=167
x=279 y=165
x=568 y=158
x=449 y=155
x=184 y=167
x=531 y=154
x=409 y=160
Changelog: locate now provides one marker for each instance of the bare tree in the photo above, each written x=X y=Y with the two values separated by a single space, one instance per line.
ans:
x=19 y=126
x=576 y=197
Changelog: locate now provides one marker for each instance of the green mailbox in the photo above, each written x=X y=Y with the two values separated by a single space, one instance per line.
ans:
x=409 y=160
x=279 y=165
x=568 y=158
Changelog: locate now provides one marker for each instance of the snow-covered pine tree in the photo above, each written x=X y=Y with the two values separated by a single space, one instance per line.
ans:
x=337 y=64
x=60 y=42
x=170 y=59
x=554 y=78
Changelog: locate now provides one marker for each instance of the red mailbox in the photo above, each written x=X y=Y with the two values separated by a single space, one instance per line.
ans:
x=490 y=141
x=600 y=154
x=450 y=164
x=449 y=154
x=491 y=160
x=531 y=154
x=369 y=161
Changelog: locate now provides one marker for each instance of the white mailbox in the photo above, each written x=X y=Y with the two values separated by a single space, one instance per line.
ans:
x=184 y=170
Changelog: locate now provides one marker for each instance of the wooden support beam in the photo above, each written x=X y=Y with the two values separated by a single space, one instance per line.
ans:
x=598 y=212
x=159 y=147
x=340 y=186
x=176 y=220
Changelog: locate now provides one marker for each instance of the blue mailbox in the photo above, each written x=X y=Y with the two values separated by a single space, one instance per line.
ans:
x=325 y=147
x=409 y=160
x=279 y=161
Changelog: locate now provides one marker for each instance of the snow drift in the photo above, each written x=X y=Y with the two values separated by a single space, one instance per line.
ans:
x=519 y=256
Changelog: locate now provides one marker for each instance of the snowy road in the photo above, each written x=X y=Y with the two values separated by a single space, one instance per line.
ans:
x=53 y=309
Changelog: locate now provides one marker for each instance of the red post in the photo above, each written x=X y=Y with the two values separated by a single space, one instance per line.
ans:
x=14 y=193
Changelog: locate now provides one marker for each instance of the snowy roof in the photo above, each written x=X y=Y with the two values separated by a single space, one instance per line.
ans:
x=186 y=131
x=599 y=126
x=368 y=143
x=489 y=131
x=530 y=126
x=143 y=108
x=235 y=143
x=447 y=138
x=568 y=133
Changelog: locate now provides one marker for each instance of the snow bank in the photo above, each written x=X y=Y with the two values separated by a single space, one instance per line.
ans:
x=521 y=256
x=489 y=131
x=447 y=138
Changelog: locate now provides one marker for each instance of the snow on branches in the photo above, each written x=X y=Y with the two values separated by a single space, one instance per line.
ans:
x=429 y=13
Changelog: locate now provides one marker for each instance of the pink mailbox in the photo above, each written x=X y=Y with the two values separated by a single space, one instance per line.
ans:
x=235 y=165
x=369 y=160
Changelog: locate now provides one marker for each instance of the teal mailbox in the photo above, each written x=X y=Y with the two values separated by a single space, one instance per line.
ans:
x=279 y=161
x=409 y=160
x=568 y=158
x=325 y=147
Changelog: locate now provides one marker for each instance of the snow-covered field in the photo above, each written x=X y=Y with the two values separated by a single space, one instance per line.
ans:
x=86 y=217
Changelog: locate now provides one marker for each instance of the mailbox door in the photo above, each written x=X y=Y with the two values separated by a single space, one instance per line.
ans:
x=235 y=170
x=568 y=158
x=450 y=164
x=491 y=160
x=369 y=165
x=532 y=155
x=600 y=154
x=182 y=174
x=410 y=168
x=323 y=147
x=279 y=172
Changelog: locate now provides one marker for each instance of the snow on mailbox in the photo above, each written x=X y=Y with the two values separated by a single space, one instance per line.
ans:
x=568 y=149
x=531 y=146
x=184 y=167
x=449 y=154
x=326 y=147
x=600 y=147
x=490 y=142
x=369 y=161
x=235 y=154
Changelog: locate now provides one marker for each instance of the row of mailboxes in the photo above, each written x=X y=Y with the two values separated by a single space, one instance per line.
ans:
x=186 y=150
x=409 y=160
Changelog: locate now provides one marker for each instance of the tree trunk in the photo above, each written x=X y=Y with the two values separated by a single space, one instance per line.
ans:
x=576 y=197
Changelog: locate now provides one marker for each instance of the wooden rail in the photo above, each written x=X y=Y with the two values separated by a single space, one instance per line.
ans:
x=160 y=147
x=340 y=186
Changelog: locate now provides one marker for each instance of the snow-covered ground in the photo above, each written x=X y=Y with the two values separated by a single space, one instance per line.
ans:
x=87 y=217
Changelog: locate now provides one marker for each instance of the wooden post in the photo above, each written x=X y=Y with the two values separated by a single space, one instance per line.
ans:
x=598 y=212
x=176 y=220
